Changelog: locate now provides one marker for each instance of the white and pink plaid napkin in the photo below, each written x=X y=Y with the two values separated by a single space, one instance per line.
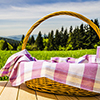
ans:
x=83 y=72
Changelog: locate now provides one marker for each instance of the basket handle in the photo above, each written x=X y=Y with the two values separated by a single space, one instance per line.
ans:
x=94 y=26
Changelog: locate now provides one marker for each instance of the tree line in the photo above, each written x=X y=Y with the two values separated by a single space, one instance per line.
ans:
x=80 y=37
x=8 y=44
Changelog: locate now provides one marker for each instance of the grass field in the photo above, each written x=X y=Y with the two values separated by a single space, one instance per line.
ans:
x=45 y=55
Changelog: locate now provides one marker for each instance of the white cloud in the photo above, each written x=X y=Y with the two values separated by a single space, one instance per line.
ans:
x=28 y=14
x=90 y=9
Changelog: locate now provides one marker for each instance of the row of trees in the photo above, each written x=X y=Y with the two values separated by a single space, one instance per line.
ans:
x=80 y=37
x=84 y=37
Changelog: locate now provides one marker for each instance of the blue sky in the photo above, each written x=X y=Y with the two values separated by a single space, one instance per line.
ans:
x=17 y=16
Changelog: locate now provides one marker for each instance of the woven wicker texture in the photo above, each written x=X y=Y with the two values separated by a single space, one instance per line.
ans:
x=47 y=85
x=50 y=86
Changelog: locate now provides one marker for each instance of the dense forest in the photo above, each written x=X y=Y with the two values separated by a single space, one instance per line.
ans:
x=80 y=37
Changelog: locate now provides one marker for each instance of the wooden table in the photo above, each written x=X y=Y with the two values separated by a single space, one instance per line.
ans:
x=8 y=92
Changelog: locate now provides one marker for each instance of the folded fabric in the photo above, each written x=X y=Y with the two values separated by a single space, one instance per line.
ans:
x=83 y=59
x=98 y=54
x=21 y=67
x=13 y=61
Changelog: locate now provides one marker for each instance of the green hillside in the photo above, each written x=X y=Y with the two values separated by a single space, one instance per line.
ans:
x=11 y=41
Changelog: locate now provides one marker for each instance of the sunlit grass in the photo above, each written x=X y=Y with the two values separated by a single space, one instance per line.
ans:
x=46 y=55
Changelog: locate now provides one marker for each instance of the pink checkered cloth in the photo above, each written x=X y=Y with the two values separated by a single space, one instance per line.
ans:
x=83 y=72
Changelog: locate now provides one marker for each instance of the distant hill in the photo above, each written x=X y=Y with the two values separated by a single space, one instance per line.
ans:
x=15 y=37
x=18 y=37
x=11 y=41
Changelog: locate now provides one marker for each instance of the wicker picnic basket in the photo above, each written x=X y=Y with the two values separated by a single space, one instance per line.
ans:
x=47 y=85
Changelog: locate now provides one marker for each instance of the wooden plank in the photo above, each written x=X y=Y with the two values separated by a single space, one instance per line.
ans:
x=45 y=96
x=87 y=98
x=9 y=92
x=25 y=93
x=2 y=85
x=98 y=97
x=60 y=97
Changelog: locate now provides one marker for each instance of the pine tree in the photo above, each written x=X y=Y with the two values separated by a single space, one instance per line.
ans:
x=39 y=41
x=5 y=45
x=92 y=36
x=22 y=38
x=61 y=38
x=70 y=39
x=57 y=40
x=50 y=45
x=71 y=33
x=96 y=22
x=96 y=36
x=75 y=38
x=82 y=37
x=71 y=30
x=31 y=40
x=65 y=38
x=45 y=36
x=62 y=29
